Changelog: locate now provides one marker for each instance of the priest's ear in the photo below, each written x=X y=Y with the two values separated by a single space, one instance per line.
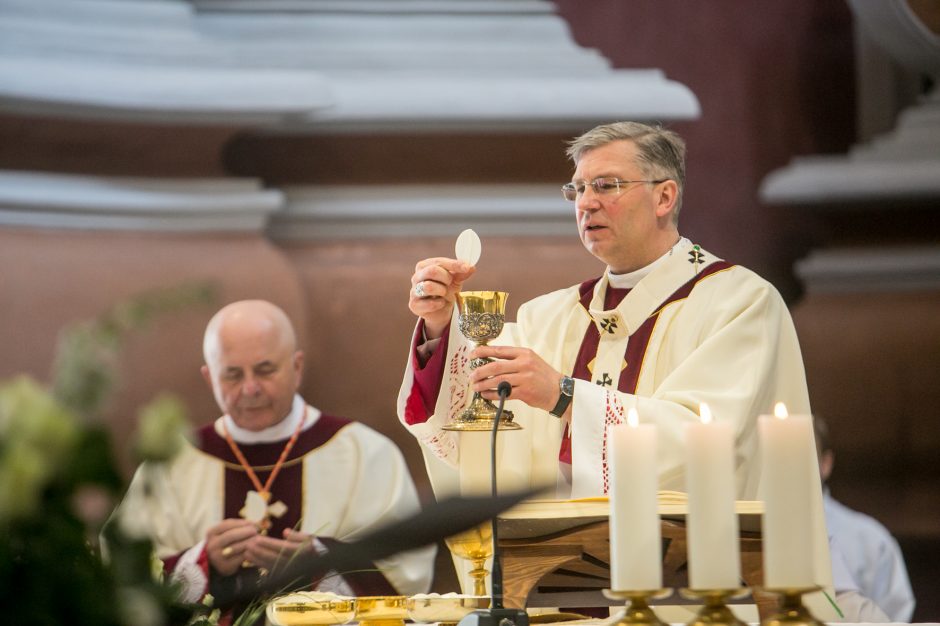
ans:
x=666 y=195
x=298 y=364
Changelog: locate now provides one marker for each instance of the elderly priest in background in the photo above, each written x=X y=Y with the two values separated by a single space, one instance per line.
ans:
x=666 y=327
x=272 y=476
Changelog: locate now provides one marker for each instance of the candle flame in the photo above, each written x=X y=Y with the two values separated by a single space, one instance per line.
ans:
x=705 y=413
x=633 y=418
x=780 y=410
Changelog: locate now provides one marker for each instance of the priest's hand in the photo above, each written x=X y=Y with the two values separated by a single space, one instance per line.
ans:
x=434 y=287
x=269 y=552
x=533 y=381
x=227 y=543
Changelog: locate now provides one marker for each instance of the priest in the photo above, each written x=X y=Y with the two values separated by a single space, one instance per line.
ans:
x=272 y=477
x=666 y=327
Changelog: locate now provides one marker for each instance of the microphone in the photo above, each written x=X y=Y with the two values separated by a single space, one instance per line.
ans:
x=496 y=615
x=504 y=389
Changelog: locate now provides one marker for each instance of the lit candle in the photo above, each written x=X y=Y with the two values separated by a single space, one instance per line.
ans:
x=787 y=465
x=635 y=541
x=712 y=524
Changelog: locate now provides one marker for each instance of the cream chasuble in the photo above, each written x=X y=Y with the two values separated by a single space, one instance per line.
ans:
x=341 y=482
x=728 y=341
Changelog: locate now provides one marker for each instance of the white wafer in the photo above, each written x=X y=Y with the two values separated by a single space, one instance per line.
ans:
x=468 y=247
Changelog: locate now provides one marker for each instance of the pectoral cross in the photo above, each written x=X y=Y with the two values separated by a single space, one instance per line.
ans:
x=258 y=510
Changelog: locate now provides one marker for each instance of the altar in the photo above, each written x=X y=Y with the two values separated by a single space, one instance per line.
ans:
x=557 y=553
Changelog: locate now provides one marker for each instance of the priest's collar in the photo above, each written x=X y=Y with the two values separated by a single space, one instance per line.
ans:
x=630 y=279
x=282 y=430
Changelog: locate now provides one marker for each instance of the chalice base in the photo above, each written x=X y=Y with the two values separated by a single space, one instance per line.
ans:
x=479 y=416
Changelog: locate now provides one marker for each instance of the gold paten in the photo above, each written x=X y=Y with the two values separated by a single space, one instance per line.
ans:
x=310 y=609
x=381 y=610
x=444 y=610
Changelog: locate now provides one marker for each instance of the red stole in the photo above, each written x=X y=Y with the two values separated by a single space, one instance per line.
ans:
x=288 y=487
x=636 y=346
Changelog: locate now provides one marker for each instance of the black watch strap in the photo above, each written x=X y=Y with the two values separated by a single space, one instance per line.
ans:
x=566 y=393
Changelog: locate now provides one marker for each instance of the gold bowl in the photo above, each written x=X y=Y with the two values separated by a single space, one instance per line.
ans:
x=428 y=608
x=310 y=608
x=381 y=610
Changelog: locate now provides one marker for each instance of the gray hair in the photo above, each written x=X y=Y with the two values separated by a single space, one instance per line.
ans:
x=660 y=152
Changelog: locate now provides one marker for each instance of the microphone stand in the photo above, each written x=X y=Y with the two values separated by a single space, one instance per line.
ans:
x=497 y=614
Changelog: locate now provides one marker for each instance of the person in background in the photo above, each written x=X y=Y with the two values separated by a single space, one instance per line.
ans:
x=273 y=476
x=871 y=556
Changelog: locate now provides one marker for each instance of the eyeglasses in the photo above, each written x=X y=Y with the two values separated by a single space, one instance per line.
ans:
x=602 y=186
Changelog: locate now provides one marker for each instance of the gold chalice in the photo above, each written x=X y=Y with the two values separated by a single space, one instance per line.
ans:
x=474 y=545
x=480 y=318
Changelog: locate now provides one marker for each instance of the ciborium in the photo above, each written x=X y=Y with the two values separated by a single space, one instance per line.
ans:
x=480 y=318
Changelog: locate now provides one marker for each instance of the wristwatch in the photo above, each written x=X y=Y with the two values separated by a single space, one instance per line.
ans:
x=566 y=387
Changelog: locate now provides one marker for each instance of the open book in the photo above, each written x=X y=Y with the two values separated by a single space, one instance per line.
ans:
x=537 y=518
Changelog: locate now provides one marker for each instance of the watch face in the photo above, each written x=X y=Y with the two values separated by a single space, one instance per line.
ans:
x=567 y=386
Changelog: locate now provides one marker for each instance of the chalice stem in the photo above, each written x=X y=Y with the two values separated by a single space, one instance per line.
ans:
x=479 y=573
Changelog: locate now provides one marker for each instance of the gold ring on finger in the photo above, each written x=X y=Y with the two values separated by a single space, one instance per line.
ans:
x=227 y=551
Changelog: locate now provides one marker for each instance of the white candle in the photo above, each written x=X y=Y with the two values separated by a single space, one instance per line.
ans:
x=712 y=524
x=787 y=465
x=635 y=540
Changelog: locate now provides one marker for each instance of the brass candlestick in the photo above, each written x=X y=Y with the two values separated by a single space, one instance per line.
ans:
x=480 y=318
x=715 y=611
x=792 y=611
x=638 y=611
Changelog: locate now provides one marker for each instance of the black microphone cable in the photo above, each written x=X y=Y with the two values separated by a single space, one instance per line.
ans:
x=504 y=389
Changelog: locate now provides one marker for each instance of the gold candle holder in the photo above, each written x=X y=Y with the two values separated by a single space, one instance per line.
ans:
x=792 y=610
x=637 y=611
x=715 y=611
x=480 y=318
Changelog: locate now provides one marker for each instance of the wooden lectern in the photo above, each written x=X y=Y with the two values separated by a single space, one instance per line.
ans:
x=557 y=553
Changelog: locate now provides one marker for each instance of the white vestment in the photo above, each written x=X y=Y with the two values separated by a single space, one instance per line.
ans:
x=347 y=480
x=728 y=341
x=872 y=558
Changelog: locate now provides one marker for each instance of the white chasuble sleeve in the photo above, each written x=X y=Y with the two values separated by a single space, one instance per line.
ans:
x=729 y=344
x=454 y=389
x=355 y=484
x=538 y=439
x=174 y=504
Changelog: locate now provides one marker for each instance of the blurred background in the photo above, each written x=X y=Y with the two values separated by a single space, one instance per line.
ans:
x=310 y=152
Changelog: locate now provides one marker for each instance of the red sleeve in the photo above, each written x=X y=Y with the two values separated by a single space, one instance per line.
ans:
x=428 y=376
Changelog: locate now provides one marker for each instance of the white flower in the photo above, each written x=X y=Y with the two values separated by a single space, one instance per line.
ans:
x=137 y=607
x=161 y=429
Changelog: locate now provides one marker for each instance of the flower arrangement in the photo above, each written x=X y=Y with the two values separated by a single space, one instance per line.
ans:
x=59 y=482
